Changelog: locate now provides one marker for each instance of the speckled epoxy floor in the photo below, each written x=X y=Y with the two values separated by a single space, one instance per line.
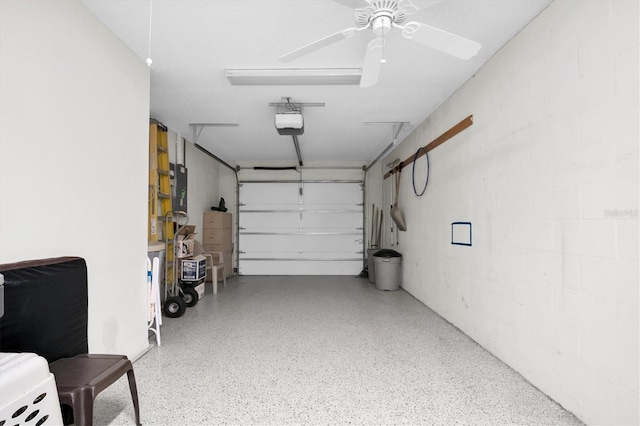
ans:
x=321 y=350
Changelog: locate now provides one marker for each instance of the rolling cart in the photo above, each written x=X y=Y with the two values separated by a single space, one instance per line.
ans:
x=193 y=272
x=174 y=302
x=180 y=292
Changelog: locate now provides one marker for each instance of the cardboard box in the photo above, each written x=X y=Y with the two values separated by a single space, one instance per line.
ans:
x=217 y=237
x=185 y=240
x=187 y=230
x=200 y=289
x=218 y=220
x=185 y=245
x=193 y=269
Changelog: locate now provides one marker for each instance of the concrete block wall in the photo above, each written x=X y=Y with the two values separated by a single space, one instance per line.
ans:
x=548 y=176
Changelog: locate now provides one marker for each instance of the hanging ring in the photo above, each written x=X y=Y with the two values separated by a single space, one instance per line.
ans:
x=413 y=173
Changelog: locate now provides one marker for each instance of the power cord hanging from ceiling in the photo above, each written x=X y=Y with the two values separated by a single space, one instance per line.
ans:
x=300 y=193
x=296 y=144
x=292 y=107
x=149 y=60
x=383 y=60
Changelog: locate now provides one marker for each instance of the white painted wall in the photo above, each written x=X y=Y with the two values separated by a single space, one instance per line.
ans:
x=74 y=157
x=548 y=175
x=203 y=181
x=203 y=185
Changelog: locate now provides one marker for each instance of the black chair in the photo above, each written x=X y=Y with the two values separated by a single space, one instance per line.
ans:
x=45 y=312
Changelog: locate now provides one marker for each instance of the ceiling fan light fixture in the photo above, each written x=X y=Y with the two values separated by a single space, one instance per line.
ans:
x=381 y=25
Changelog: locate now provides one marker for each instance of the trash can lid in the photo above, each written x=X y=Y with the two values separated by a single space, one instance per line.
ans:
x=387 y=253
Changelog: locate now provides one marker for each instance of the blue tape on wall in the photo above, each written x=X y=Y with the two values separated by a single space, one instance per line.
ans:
x=461 y=234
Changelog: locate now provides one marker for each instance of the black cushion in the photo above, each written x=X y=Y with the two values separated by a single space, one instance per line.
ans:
x=45 y=308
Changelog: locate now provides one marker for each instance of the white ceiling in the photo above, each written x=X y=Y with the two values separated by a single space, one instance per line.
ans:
x=193 y=42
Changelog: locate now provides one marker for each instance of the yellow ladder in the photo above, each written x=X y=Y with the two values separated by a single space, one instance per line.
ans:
x=160 y=208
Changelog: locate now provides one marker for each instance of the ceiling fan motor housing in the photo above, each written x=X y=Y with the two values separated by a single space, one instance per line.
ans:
x=380 y=15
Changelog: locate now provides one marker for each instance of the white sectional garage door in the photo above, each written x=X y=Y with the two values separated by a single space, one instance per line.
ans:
x=309 y=228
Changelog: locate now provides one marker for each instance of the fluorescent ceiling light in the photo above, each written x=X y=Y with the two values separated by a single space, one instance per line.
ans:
x=293 y=76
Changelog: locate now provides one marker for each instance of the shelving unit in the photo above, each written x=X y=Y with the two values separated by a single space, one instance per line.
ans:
x=160 y=206
x=152 y=229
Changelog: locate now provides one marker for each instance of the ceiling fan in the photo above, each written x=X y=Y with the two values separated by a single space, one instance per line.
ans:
x=380 y=16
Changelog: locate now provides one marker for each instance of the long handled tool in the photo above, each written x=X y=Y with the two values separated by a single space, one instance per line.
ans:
x=379 y=230
x=372 y=240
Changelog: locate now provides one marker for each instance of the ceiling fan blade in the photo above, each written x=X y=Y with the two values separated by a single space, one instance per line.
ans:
x=435 y=38
x=318 y=44
x=350 y=3
x=407 y=8
x=372 y=63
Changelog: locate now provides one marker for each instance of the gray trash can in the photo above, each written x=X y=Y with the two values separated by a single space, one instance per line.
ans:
x=370 y=268
x=387 y=266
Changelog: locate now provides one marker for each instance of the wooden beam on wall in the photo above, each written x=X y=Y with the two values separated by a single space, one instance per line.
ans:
x=467 y=122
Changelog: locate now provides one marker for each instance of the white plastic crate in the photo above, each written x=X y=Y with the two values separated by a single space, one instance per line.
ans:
x=28 y=394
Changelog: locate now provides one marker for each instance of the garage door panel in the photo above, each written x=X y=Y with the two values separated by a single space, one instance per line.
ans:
x=300 y=267
x=300 y=243
x=271 y=220
x=335 y=220
x=291 y=255
x=332 y=194
x=306 y=220
x=269 y=194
